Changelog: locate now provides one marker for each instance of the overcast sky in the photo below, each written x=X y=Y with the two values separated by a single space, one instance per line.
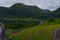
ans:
x=44 y=4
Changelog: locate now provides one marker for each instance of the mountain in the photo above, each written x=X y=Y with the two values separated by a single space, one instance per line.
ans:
x=22 y=10
x=27 y=11
x=56 y=13
x=31 y=15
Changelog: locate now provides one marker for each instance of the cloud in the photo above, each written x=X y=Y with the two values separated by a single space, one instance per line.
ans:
x=44 y=4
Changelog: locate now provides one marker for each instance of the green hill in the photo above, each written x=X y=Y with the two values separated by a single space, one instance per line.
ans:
x=22 y=10
x=26 y=11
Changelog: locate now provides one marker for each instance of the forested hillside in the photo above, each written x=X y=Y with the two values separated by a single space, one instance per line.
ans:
x=21 y=15
x=25 y=11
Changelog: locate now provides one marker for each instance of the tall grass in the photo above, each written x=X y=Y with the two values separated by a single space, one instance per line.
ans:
x=40 y=32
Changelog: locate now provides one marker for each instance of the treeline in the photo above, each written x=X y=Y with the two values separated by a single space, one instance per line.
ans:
x=19 y=24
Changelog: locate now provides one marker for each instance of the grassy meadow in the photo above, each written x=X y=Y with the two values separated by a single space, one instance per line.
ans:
x=38 y=32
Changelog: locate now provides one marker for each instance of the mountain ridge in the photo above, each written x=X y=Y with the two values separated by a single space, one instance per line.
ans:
x=22 y=10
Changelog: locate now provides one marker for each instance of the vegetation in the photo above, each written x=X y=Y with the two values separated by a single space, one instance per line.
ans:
x=32 y=22
x=39 y=32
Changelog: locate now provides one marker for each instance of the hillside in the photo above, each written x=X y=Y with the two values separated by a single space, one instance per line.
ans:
x=22 y=10
x=56 y=13
x=26 y=11
x=21 y=14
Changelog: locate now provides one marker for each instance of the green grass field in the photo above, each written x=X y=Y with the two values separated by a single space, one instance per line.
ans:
x=39 y=32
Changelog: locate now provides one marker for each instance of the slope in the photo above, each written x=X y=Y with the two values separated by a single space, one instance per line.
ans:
x=39 y=32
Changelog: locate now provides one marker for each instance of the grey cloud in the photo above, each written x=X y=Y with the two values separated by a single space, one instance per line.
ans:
x=44 y=4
